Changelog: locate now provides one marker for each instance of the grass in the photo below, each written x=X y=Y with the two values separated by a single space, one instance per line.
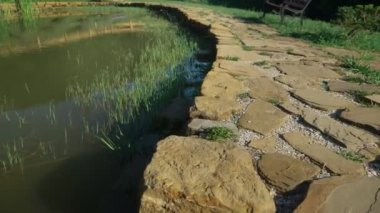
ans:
x=367 y=74
x=275 y=101
x=260 y=63
x=231 y=58
x=317 y=32
x=360 y=97
x=244 y=95
x=247 y=48
x=219 y=134
x=349 y=155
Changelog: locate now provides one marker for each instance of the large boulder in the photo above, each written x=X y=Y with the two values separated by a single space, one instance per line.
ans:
x=189 y=174
x=342 y=194
x=222 y=85
x=215 y=108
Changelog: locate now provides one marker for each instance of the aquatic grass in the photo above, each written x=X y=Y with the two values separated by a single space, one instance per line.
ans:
x=128 y=91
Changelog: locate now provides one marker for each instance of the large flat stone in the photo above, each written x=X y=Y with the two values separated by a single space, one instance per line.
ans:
x=232 y=51
x=353 y=138
x=221 y=85
x=344 y=86
x=215 y=108
x=321 y=100
x=323 y=155
x=368 y=118
x=193 y=175
x=298 y=83
x=238 y=69
x=342 y=194
x=374 y=98
x=313 y=71
x=262 y=117
x=266 y=89
x=267 y=145
x=285 y=172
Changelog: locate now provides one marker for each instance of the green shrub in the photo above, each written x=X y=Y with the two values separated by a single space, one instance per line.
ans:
x=360 y=17
x=219 y=133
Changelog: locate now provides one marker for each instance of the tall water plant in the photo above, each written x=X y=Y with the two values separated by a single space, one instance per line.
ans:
x=125 y=93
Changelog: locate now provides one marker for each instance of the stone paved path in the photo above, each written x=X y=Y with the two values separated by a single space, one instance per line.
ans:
x=274 y=89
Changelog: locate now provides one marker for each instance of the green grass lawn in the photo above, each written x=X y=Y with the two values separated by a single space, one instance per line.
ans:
x=316 y=32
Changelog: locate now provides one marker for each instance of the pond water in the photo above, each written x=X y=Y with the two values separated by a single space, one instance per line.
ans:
x=60 y=89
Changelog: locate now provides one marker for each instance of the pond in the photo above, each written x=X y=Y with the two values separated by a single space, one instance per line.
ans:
x=78 y=87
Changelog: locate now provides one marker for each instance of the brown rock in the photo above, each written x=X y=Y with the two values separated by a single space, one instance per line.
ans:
x=298 y=83
x=374 y=98
x=348 y=136
x=342 y=194
x=193 y=175
x=285 y=172
x=344 y=86
x=322 y=155
x=262 y=117
x=314 y=71
x=366 y=117
x=236 y=51
x=267 y=145
x=321 y=100
x=266 y=89
x=236 y=68
x=221 y=85
x=215 y=108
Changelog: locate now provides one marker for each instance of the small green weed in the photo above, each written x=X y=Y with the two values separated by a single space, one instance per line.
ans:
x=232 y=58
x=260 y=63
x=266 y=54
x=219 y=134
x=275 y=101
x=369 y=75
x=243 y=95
x=247 y=48
x=351 y=156
x=360 y=97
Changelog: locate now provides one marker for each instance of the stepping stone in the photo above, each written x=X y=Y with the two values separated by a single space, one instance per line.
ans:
x=353 y=138
x=266 y=89
x=215 y=108
x=222 y=85
x=236 y=68
x=342 y=194
x=344 y=86
x=267 y=145
x=365 y=117
x=199 y=125
x=262 y=117
x=323 y=155
x=297 y=82
x=189 y=174
x=374 y=98
x=321 y=100
x=285 y=172
x=314 y=71
x=230 y=52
